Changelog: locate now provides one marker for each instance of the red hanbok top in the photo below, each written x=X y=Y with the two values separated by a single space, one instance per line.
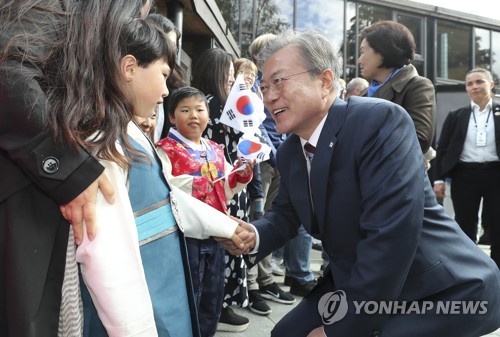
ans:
x=193 y=169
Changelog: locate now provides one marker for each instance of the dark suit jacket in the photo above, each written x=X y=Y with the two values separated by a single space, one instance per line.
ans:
x=452 y=138
x=377 y=216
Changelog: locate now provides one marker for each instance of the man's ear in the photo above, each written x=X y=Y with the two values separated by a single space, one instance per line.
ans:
x=128 y=65
x=327 y=79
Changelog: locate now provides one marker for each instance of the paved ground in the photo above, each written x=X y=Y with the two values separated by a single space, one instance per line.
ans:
x=261 y=326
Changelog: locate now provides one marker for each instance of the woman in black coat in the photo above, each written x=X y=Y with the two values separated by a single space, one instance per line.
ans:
x=48 y=179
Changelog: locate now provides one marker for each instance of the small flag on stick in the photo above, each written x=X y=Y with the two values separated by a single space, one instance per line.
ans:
x=250 y=148
x=244 y=110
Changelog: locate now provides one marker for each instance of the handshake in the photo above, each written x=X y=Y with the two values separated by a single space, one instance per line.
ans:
x=243 y=239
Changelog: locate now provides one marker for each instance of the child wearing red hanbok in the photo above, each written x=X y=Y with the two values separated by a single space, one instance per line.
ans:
x=197 y=166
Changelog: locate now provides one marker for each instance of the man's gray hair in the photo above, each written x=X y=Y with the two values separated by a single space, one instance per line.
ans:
x=317 y=50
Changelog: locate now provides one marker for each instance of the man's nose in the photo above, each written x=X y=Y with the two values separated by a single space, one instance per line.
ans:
x=270 y=96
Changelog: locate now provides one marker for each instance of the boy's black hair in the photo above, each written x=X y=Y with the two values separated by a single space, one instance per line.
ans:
x=179 y=94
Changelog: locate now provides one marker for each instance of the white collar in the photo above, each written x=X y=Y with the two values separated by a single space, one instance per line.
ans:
x=190 y=143
x=313 y=140
x=476 y=107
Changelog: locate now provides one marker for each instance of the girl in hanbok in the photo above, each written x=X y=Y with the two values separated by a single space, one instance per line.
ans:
x=136 y=278
x=143 y=62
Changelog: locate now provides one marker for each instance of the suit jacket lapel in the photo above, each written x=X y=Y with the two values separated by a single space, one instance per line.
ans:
x=463 y=123
x=323 y=156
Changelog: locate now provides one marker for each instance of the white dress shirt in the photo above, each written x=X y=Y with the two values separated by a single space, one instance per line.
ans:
x=480 y=120
x=313 y=140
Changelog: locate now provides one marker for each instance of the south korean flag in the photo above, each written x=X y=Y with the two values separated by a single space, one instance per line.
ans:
x=244 y=110
x=251 y=147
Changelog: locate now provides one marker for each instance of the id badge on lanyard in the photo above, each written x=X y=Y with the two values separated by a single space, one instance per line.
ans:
x=481 y=135
x=481 y=138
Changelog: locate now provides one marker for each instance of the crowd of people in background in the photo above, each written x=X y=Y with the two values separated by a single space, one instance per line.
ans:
x=92 y=140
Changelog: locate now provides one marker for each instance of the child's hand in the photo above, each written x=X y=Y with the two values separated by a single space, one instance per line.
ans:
x=210 y=186
x=248 y=169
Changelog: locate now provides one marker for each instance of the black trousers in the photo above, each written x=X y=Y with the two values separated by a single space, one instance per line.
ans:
x=468 y=187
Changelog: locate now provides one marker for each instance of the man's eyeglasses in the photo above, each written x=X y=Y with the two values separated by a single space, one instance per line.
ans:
x=277 y=84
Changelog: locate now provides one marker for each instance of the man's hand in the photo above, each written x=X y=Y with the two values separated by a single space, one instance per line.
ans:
x=318 y=332
x=439 y=190
x=82 y=208
x=243 y=239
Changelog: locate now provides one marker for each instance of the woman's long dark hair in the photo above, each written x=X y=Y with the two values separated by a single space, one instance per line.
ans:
x=88 y=96
x=211 y=71
x=31 y=33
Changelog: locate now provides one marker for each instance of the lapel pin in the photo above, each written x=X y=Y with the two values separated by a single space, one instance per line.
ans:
x=331 y=144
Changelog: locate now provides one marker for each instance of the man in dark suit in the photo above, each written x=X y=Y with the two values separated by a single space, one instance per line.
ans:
x=353 y=173
x=468 y=152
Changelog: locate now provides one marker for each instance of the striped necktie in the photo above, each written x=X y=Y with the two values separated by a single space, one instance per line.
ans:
x=310 y=149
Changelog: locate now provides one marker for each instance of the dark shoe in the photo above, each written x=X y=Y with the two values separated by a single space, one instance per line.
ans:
x=275 y=293
x=299 y=289
x=232 y=322
x=257 y=303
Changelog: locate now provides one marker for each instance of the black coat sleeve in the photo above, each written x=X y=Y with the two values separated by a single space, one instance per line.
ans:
x=28 y=151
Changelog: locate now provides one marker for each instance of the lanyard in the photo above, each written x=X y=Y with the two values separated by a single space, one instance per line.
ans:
x=487 y=119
